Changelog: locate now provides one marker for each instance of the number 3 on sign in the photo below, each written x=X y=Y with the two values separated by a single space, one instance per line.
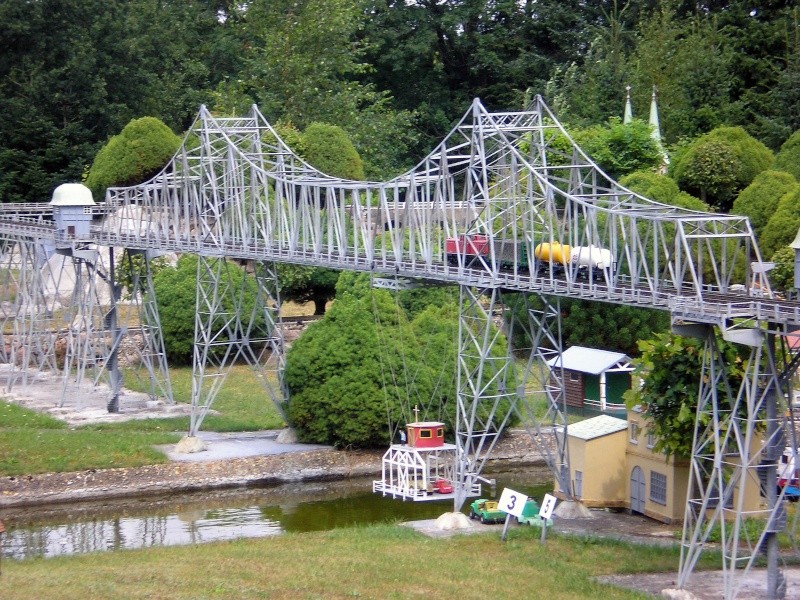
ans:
x=512 y=502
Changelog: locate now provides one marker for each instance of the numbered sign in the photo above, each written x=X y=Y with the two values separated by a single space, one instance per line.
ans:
x=512 y=502
x=548 y=504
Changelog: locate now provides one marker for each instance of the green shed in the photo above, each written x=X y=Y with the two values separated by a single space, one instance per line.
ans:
x=594 y=380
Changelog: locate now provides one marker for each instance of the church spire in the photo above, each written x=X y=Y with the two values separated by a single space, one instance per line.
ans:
x=655 y=128
x=628 y=116
x=654 y=124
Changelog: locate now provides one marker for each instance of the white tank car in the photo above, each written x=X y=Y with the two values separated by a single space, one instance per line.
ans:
x=591 y=257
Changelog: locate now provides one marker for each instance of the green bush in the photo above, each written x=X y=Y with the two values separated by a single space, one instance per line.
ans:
x=663 y=189
x=346 y=374
x=781 y=278
x=759 y=200
x=719 y=164
x=329 y=149
x=670 y=367
x=354 y=376
x=782 y=226
x=176 y=291
x=619 y=149
x=788 y=158
x=138 y=153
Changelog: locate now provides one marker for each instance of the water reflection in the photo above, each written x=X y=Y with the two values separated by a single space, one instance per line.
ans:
x=211 y=516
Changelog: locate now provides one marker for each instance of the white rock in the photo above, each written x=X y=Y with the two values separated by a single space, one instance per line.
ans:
x=573 y=510
x=190 y=444
x=287 y=436
x=453 y=520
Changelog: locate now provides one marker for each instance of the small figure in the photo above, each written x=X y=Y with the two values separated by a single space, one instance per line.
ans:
x=402 y=437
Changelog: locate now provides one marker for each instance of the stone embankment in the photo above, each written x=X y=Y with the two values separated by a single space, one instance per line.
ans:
x=516 y=449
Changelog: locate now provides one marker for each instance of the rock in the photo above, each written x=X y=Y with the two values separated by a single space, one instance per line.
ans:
x=287 y=436
x=190 y=444
x=570 y=509
x=453 y=520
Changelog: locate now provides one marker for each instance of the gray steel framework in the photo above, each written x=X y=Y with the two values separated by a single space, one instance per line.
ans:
x=235 y=190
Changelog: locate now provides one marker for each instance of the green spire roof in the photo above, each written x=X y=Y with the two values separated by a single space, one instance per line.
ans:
x=628 y=116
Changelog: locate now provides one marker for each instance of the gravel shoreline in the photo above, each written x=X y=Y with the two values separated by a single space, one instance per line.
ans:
x=516 y=449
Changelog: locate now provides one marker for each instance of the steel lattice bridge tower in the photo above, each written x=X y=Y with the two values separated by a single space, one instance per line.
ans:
x=505 y=181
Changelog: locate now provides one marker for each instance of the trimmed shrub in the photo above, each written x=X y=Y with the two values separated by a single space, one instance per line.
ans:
x=138 y=153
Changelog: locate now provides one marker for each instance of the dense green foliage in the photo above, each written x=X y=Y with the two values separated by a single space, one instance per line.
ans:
x=719 y=164
x=595 y=324
x=328 y=148
x=393 y=74
x=347 y=374
x=619 y=149
x=670 y=367
x=355 y=375
x=783 y=225
x=788 y=159
x=73 y=72
x=759 y=200
x=661 y=188
x=781 y=278
x=140 y=151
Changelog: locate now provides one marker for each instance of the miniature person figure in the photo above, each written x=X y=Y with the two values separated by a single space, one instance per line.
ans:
x=403 y=437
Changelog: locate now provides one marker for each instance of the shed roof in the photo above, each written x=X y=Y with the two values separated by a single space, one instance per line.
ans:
x=596 y=427
x=591 y=360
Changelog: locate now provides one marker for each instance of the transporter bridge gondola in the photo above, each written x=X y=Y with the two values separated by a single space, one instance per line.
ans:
x=422 y=467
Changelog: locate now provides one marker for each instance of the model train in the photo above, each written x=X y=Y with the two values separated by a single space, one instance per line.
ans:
x=583 y=260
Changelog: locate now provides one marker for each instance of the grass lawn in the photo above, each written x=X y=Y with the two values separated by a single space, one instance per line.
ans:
x=34 y=443
x=381 y=561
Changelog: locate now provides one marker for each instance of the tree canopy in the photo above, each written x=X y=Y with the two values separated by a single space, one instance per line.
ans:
x=621 y=148
x=394 y=75
x=670 y=367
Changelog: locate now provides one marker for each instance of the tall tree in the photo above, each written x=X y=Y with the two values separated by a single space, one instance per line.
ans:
x=305 y=63
x=74 y=72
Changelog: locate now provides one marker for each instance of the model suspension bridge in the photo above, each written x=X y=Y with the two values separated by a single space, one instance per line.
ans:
x=506 y=204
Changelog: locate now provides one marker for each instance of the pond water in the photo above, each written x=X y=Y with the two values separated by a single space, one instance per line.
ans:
x=221 y=515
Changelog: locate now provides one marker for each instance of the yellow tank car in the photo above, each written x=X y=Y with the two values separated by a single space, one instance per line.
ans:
x=555 y=252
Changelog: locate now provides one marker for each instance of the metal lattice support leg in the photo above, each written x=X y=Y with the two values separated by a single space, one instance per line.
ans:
x=89 y=343
x=229 y=328
x=143 y=308
x=738 y=442
x=486 y=396
x=542 y=381
x=29 y=313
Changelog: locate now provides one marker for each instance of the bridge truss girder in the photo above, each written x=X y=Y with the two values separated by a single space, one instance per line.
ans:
x=236 y=189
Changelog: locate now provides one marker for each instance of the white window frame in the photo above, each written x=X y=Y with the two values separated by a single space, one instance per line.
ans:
x=658 y=488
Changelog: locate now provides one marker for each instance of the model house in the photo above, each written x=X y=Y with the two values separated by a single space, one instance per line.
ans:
x=613 y=464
